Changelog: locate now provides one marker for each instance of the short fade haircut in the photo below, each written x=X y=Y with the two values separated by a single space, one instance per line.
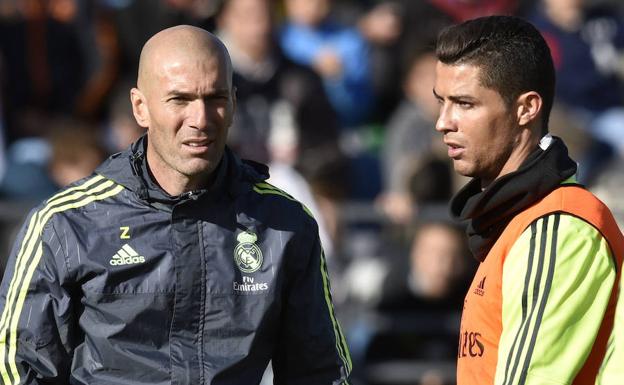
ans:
x=511 y=53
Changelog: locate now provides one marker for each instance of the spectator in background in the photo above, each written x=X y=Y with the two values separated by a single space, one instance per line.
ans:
x=587 y=44
x=59 y=59
x=267 y=85
x=283 y=147
x=435 y=274
x=264 y=77
x=432 y=183
x=76 y=151
x=422 y=299
x=45 y=62
x=26 y=176
x=70 y=150
x=121 y=128
x=102 y=45
x=414 y=317
x=395 y=29
x=383 y=27
x=338 y=53
x=410 y=138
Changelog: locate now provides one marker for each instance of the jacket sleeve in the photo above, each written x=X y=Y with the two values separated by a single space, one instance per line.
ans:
x=557 y=281
x=612 y=371
x=36 y=321
x=311 y=348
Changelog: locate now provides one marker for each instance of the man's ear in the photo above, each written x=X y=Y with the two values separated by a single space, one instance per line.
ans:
x=529 y=107
x=139 y=108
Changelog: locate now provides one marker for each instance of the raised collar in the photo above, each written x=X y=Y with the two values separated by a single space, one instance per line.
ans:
x=489 y=211
x=129 y=168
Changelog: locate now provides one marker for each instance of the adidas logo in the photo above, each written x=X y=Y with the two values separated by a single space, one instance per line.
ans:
x=480 y=290
x=126 y=256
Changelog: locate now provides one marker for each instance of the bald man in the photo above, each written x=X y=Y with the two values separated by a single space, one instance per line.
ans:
x=175 y=262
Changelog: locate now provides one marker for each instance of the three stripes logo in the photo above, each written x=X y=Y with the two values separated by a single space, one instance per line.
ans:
x=126 y=256
x=480 y=289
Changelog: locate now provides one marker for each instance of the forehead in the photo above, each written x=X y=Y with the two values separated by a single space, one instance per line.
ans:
x=453 y=78
x=185 y=71
x=458 y=80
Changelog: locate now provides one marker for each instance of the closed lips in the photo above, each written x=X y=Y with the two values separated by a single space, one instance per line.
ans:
x=452 y=144
x=198 y=143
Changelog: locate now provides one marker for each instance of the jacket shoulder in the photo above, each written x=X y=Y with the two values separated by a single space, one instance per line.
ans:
x=571 y=200
x=281 y=197
x=78 y=194
x=577 y=201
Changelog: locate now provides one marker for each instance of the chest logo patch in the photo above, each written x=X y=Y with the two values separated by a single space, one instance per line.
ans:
x=247 y=254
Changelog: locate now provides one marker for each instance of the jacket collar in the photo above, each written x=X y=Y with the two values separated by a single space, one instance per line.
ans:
x=489 y=211
x=129 y=169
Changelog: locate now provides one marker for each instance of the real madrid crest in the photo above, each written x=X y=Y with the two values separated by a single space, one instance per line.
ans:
x=247 y=254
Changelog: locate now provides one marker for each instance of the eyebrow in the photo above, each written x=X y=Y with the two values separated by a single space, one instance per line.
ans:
x=186 y=94
x=454 y=98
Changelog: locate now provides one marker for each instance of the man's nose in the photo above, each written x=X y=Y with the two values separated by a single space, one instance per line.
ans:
x=199 y=114
x=445 y=120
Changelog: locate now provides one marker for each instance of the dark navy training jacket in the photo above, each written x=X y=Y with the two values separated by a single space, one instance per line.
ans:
x=112 y=281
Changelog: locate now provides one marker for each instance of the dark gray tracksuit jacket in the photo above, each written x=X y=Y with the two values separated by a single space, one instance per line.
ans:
x=111 y=281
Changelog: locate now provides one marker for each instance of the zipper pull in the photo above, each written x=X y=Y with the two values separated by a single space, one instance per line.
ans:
x=191 y=195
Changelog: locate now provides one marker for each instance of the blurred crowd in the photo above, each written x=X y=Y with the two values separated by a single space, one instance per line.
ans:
x=336 y=96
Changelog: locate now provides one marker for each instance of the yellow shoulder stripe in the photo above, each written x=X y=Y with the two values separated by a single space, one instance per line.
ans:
x=28 y=259
x=266 y=188
x=341 y=344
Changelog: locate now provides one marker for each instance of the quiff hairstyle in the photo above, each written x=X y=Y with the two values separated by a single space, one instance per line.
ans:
x=511 y=53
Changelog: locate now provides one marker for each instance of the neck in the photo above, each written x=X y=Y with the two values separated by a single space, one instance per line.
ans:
x=172 y=181
x=527 y=143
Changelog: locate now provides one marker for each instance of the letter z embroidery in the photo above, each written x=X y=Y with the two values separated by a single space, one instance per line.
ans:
x=125 y=232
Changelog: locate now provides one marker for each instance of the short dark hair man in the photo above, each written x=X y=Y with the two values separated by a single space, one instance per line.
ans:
x=175 y=263
x=541 y=306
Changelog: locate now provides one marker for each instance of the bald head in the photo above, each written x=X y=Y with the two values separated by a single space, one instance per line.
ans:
x=186 y=101
x=181 y=42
